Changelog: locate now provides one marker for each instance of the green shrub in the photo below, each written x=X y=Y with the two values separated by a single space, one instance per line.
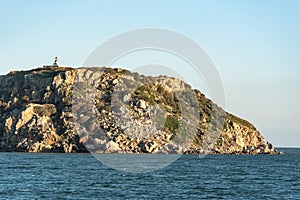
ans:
x=172 y=124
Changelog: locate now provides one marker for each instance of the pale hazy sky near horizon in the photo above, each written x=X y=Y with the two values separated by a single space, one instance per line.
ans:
x=255 y=46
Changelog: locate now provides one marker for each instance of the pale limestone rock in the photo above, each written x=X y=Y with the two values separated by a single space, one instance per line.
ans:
x=8 y=123
x=26 y=115
x=142 y=104
x=112 y=147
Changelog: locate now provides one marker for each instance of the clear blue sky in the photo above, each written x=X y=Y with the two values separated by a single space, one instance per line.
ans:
x=254 y=44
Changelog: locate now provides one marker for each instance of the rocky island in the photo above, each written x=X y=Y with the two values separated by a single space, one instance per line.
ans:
x=106 y=110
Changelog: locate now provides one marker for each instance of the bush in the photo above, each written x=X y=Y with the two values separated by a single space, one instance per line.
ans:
x=172 y=124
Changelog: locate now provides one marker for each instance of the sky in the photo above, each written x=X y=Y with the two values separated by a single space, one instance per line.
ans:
x=254 y=45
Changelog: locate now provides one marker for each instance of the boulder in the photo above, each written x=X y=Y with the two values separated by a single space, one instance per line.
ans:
x=142 y=104
x=112 y=147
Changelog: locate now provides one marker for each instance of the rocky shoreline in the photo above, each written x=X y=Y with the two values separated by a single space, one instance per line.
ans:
x=105 y=110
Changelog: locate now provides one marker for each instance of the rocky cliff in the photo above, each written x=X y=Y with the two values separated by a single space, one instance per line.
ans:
x=107 y=110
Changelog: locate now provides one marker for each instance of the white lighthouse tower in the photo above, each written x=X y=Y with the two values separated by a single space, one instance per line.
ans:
x=55 y=62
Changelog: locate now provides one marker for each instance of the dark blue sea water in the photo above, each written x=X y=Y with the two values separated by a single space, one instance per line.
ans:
x=81 y=176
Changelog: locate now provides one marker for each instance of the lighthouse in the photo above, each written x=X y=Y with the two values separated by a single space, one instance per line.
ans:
x=55 y=62
x=56 y=65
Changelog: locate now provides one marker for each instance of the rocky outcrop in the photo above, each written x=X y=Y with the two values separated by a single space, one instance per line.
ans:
x=106 y=110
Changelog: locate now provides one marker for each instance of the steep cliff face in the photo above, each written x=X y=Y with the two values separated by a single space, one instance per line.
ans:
x=108 y=110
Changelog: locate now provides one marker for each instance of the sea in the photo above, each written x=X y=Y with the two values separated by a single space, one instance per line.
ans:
x=86 y=176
